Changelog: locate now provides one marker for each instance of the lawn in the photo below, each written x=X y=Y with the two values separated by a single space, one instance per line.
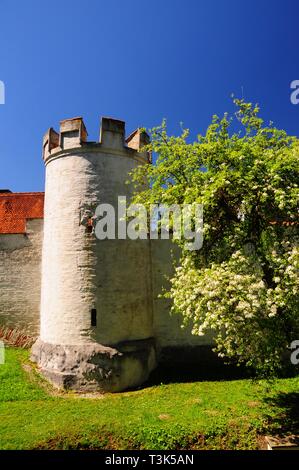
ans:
x=227 y=414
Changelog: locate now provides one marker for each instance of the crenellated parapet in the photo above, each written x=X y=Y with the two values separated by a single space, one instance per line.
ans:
x=50 y=142
x=112 y=133
x=137 y=140
x=73 y=135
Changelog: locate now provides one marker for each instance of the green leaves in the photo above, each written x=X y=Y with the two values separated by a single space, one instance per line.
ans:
x=246 y=175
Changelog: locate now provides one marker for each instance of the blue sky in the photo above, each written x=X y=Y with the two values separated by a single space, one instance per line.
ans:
x=139 y=61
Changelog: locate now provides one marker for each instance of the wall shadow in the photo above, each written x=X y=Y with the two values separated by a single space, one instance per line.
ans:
x=196 y=364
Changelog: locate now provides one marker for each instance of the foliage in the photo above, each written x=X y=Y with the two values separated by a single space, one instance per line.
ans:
x=244 y=283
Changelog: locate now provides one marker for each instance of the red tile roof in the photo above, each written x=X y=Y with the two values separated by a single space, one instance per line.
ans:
x=16 y=208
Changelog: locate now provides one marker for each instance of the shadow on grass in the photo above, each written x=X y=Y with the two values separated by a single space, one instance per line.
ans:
x=286 y=413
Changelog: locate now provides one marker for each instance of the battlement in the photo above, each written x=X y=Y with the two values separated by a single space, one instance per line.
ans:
x=73 y=135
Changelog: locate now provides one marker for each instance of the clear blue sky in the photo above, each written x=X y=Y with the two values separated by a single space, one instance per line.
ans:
x=140 y=61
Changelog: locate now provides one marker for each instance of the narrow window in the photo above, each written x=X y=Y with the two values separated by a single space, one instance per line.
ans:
x=93 y=317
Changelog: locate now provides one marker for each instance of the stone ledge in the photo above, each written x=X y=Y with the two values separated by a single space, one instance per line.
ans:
x=94 y=367
x=290 y=442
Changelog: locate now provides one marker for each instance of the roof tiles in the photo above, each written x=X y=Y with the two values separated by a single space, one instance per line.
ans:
x=17 y=208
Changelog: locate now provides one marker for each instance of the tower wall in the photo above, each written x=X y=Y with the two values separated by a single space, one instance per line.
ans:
x=96 y=302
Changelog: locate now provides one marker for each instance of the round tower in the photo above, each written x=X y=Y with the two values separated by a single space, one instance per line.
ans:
x=96 y=325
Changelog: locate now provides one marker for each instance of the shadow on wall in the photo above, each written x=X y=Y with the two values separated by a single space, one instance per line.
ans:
x=195 y=364
x=200 y=363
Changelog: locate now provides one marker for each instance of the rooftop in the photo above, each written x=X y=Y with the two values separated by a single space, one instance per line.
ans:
x=17 y=208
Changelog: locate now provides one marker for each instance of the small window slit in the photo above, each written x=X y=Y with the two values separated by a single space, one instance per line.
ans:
x=93 y=317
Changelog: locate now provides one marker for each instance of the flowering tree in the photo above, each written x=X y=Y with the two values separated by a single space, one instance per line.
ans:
x=244 y=282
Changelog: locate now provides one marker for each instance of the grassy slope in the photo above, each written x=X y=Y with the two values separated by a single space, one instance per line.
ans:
x=229 y=414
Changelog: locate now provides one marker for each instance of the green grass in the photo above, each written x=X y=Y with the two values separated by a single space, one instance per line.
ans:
x=203 y=415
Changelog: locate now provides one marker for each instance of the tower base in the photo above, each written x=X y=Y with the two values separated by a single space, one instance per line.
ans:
x=94 y=367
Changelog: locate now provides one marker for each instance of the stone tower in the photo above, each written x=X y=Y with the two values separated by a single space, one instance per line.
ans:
x=96 y=325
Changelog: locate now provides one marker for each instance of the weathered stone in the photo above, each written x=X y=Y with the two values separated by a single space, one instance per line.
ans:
x=20 y=278
x=94 y=367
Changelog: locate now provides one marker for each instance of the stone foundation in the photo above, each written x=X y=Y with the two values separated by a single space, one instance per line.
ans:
x=94 y=367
